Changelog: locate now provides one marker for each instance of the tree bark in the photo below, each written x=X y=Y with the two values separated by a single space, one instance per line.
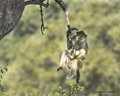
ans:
x=10 y=13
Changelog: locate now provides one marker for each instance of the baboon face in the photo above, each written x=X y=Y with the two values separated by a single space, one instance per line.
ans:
x=81 y=35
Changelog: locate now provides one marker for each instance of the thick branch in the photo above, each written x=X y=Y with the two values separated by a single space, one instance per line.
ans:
x=30 y=2
x=67 y=17
x=61 y=4
x=36 y=2
x=10 y=13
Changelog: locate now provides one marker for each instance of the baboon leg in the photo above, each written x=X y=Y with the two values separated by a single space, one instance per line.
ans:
x=73 y=70
x=69 y=60
x=72 y=74
x=69 y=64
x=63 y=60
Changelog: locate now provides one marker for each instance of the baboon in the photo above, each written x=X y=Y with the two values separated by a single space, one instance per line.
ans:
x=74 y=59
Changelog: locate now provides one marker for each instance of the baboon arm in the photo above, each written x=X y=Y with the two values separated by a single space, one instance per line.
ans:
x=70 y=57
x=82 y=54
x=63 y=58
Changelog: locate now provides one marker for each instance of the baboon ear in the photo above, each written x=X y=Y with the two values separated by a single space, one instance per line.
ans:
x=81 y=32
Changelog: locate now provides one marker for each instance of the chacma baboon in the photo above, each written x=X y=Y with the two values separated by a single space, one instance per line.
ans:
x=74 y=59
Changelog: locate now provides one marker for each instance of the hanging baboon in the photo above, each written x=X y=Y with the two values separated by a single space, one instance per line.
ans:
x=74 y=59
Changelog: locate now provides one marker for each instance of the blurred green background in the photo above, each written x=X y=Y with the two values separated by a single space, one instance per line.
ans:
x=33 y=58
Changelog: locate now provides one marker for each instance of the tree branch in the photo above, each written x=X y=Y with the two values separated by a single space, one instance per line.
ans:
x=61 y=4
x=36 y=2
x=40 y=2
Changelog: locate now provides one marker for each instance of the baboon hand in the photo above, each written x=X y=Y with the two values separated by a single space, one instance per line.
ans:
x=59 y=68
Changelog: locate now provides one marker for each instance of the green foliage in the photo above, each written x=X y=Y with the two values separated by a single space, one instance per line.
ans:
x=29 y=92
x=2 y=71
x=33 y=58
x=75 y=89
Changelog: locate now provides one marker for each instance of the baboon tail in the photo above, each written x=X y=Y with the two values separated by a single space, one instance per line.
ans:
x=78 y=76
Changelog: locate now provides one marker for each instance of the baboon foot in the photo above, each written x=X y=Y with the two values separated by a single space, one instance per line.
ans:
x=59 y=68
x=69 y=77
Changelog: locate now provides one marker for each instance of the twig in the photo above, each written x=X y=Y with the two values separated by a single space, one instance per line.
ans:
x=42 y=20
x=40 y=2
